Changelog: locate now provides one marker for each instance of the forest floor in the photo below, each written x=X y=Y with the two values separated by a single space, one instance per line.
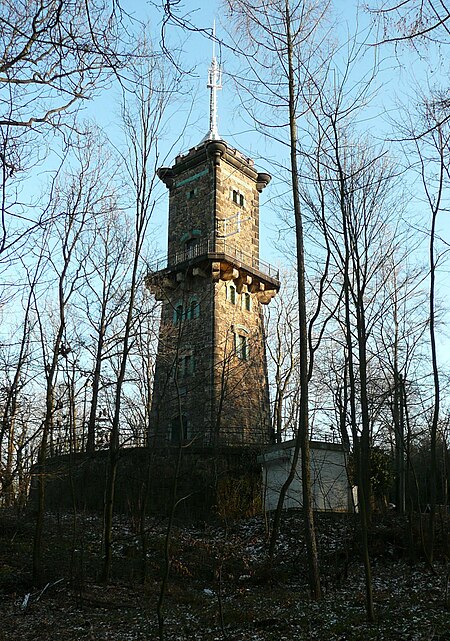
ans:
x=221 y=586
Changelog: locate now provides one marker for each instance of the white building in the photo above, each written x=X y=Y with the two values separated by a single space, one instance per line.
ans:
x=331 y=488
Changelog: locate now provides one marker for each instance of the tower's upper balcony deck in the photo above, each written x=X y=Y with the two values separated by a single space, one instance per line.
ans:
x=218 y=259
x=217 y=249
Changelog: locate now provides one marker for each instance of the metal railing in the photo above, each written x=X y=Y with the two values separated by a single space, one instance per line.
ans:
x=212 y=246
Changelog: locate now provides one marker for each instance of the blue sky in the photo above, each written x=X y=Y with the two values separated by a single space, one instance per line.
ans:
x=404 y=72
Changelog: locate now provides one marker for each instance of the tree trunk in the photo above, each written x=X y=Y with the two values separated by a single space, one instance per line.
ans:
x=303 y=429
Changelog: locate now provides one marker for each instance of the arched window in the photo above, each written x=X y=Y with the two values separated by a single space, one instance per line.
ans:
x=191 y=247
x=190 y=241
x=242 y=346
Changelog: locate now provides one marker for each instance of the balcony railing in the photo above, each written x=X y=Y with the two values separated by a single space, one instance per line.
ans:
x=211 y=247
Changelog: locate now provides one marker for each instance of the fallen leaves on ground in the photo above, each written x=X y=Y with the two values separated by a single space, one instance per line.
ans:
x=221 y=585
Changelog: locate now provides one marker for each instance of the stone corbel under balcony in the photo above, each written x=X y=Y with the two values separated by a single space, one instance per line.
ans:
x=229 y=273
x=245 y=282
x=265 y=296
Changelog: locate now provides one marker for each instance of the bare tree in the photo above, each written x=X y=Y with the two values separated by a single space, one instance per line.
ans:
x=76 y=200
x=142 y=120
x=433 y=153
x=104 y=298
x=284 y=37
x=16 y=378
x=54 y=54
x=282 y=347
x=424 y=26
x=142 y=369
x=348 y=199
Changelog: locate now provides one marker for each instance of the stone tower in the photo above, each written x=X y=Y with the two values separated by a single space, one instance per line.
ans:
x=211 y=384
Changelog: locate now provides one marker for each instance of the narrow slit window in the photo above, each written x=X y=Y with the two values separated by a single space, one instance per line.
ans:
x=189 y=366
x=178 y=314
x=186 y=366
x=194 y=309
x=180 y=429
x=232 y=294
x=241 y=346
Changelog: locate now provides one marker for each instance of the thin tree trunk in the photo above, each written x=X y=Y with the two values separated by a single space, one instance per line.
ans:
x=436 y=405
x=47 y=427
x=303 y=431
x=173 y=507
x=364 y=487
x=90 y=445
x=360 y=446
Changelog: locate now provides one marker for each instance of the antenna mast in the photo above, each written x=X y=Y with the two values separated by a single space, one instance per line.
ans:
x=214 y=83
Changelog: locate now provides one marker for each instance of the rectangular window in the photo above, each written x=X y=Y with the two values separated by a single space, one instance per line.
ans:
x=238 y=198
x=186 y=365
x=180 y=429
x=194 y=309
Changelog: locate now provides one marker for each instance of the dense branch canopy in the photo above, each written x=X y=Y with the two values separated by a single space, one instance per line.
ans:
x=414 y=19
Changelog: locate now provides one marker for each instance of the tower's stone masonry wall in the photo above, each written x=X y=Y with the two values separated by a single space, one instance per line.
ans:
x=241 y=385
x=211 y=380
x=191 y=205
x=229 y=180
x=193 y=338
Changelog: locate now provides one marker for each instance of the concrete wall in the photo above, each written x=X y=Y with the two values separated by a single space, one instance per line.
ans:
x=331 y=489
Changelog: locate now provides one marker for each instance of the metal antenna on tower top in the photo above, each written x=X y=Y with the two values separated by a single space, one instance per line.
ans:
x=214 y=83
